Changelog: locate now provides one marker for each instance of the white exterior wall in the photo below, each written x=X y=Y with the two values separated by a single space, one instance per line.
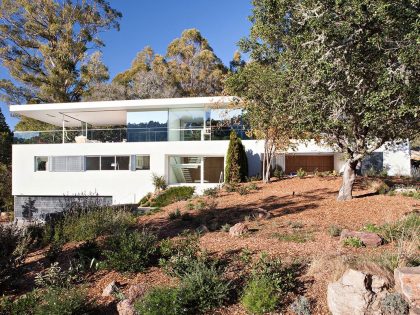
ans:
x=124 y=186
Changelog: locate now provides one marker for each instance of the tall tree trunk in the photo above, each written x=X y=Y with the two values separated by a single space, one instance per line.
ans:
x=349 y=176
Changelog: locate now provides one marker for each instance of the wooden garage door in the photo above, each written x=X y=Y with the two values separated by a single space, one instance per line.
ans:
x=309 y=163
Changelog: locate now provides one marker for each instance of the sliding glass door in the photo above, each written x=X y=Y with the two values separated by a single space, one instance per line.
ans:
x=195 y=169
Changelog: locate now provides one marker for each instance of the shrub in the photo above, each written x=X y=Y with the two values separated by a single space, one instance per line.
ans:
x=174 y=214
x=383 y=173
x=172 y=195
x=334 y=230
x=236 y=161
x=60 y=301
x=371 y=172
x=87 y=253
x=225 y=227
x=202 y=288
x=278 y=172
x=179 y=255
x=211 y=192
x=159 y=182
x=159 y=301
x=283 y=277
x=301 y=306
x=252 y=186
x=13 y=249
x=145 y=200
x=55 y=277
x=353 y=242
x=89 y=224
x=300 y=173
x=25 y=304
x=260 y=296
x=200 y=204
x=130 y=251
x=54 y=251
x=243 y=190
x=393 y=303
x=230 y=187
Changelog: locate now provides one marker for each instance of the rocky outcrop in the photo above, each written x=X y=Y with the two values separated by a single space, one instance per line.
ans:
x=238 y=229
x=356 y=293
x=367 y=238
x=407 y=283
x=110 y=289
x=125 y=308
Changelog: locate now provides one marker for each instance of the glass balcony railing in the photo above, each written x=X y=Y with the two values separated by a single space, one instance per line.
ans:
x=126 y=135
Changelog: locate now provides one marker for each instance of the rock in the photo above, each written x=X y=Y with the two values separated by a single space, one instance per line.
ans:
x=368 y=239
x=135 y=291
x=110 y=289
x=407 y=283
x=125 y=308
x=263 y=214
x=353 y=294
x=403 y=190
x=202 y=229
x=238 y=229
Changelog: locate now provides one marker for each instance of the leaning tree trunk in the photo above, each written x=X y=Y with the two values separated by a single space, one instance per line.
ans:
x=349 y=175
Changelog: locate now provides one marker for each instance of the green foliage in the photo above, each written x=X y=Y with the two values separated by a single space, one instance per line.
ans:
x=353 y=242
x=300 y=173
x=6 y=140
x=334 y=230
x=211 y=192
x=171 y=195
x=301 y=306
x=6 y=198
x=260 y=296
x=55 y=277
x=48 y=63
x=236 y=169
x=130 y=251
x=179 y=255
x=202 y=288
x=159 y=182
x=62 y=301
x=300 y=54
x=25 y=304
x=243 y=190
x=174 y=214
x=54 y=251
x=226 y=227
x=91 y=223
x=159 y=300
x=394 y=303
x=278 y=172
x=14 y=245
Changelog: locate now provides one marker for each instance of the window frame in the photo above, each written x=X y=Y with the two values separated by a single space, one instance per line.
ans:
x=36 y=163
x=135 y=162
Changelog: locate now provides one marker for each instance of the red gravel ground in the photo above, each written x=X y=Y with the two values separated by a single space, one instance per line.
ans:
x=307 y=207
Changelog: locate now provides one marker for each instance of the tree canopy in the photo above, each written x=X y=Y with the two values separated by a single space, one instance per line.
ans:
x=6 y=139
x=44 y=46
x=353 y=70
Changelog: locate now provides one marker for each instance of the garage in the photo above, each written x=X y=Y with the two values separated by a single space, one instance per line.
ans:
x=309 y=163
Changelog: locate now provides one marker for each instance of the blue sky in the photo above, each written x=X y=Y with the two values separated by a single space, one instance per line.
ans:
x=157 y=23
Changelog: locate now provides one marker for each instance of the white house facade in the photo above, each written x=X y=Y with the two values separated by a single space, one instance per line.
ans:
x=111 y=149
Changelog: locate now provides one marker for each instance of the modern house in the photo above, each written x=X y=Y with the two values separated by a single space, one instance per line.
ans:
x=111 y=149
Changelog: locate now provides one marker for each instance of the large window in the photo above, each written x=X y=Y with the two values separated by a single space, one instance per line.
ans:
x=93 y=163
x=41 y=163
x=186 y=124
x=195 y=169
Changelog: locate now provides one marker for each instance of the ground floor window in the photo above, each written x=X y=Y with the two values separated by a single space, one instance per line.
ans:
x=41 y=163
x=195 y=169
x=142 y=162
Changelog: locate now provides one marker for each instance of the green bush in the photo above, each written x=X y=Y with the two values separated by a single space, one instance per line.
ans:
x=159 y=301
x=54 y=277
x=130 y=251
x=174 y=214
x=243 y=190
x=211 y=192
x=278 y=172
x=353 y=242
x=393 y=303
x=260 y=296
x=54 y=251
x=236 y=169
x=14 y=245
x=202 y=288
x=88 y=225
x=334 y=230
x=61 y=301
x=300 y=173
x=171 y=195
x=225 y=227
x=179 y=255
x=25 y=304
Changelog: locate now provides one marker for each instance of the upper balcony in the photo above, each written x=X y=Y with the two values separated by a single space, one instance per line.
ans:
x=177 y=119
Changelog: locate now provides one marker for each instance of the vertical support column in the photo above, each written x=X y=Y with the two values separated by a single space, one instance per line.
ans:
x=64 y=127
x=202 y=171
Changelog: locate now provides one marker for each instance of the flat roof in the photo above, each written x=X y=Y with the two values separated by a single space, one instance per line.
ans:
x=105 y=113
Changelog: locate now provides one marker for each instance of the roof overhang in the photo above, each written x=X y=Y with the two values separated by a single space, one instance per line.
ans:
x=108 y=113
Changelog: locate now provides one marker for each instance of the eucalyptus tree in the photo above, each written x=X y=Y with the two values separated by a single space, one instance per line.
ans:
x=44 y=46
x=354 y=70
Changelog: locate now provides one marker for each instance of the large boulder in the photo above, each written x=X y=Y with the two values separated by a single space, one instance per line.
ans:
x=368 y=239
x=356 y=293
x=407 y=283
x=238 y=229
